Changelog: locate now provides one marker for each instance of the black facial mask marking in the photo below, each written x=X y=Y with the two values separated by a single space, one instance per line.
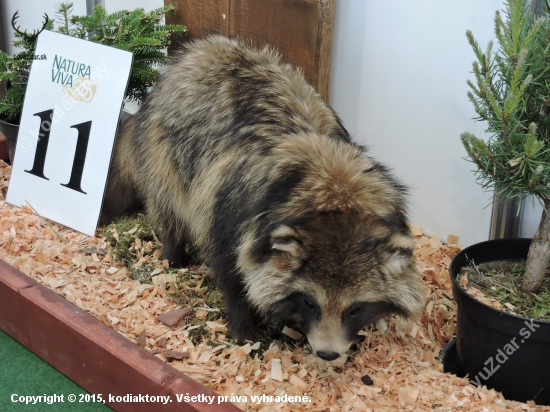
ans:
x=361 y=314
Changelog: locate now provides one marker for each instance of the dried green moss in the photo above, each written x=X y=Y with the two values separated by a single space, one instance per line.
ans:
x=503 y=281
x=118 y=234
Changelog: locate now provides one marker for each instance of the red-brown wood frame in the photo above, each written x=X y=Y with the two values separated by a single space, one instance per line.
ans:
x=90 y=353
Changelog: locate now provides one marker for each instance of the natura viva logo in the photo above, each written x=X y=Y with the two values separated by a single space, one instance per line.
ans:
x=74 y=78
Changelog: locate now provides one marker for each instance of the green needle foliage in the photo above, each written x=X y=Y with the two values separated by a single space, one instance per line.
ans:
x=511 y=92
x=136 y=31
x=14 y=70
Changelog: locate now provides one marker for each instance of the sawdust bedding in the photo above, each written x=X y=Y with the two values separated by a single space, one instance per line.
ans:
x=397 y=362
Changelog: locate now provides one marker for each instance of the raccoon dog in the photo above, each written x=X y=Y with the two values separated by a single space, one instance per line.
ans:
x=234 y=152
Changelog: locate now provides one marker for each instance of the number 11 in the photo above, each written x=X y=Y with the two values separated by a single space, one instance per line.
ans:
x=79 y=156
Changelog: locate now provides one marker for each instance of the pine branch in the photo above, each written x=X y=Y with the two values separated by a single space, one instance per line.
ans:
x=511 y=91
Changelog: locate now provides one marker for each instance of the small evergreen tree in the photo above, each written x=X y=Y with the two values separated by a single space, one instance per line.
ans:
x=511 y=93
x=138 y=32
x=14 y=70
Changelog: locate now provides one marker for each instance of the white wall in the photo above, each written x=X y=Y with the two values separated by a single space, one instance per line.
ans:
x=346 y=70
x=398 y=82
x=531 y=216
x=116 y=5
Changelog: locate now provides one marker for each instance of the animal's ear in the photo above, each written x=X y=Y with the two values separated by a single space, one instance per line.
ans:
x=396 y=264
x=285 y=240
x=286 y=244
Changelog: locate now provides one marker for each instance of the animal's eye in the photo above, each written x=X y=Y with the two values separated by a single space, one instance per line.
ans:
x=355 y=312
x=310 y=305
x=284 y=240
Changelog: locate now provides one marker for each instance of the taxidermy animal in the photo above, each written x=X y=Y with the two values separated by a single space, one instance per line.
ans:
x=235 y=153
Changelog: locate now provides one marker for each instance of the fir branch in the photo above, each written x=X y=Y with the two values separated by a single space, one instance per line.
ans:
x=143 y=34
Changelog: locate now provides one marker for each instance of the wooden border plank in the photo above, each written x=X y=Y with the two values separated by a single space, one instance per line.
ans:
x=90 y=353
x=324 y=47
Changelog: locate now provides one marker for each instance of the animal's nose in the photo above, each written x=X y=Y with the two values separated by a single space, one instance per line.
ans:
x=327 y=355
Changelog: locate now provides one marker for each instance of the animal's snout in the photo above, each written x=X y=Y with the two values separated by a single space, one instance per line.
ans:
x=328 y=356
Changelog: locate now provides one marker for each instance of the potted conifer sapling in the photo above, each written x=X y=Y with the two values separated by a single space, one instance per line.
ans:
x=503 y=341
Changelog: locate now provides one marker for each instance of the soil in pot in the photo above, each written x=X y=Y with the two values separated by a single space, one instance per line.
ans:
x=499 y=284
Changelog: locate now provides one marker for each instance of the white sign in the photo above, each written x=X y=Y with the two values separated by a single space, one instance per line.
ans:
x=70 y=117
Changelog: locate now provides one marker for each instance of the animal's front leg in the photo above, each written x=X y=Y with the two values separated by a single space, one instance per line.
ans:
x=241 y=317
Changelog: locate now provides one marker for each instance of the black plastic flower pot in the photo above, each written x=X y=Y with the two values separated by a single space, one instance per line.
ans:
x=502 y=351
x=10 y=132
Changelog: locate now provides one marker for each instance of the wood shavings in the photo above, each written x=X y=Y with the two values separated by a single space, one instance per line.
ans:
x=92 y=250
x=510 y=306
x=276 y=370
x=463 y=280
x=216 y=327
x=163 y=278
x=172 y=317
x=132 y=231
x=452 y=239
x=408 y=395
x=142 y=339
x=295 y=380
x=110 y=271
x=416 y=231
x=400 y=362
x=174 y=354
x=292 y=333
